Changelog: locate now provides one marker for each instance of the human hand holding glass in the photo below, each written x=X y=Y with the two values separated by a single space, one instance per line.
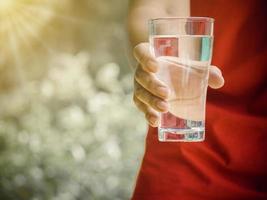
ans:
x=149 y=91
x=152 y=95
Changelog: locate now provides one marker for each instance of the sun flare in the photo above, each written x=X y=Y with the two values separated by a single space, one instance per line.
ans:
x=29 y=31
x=6 y=5
x=21 y=22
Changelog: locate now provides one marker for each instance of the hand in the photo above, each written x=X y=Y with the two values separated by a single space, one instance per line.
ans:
x=150 y=94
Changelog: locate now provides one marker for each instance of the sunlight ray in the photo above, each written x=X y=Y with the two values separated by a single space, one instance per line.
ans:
x=38 y=21
x=13 y=45
x=22 y=36
x=65 y=18
x=31 y=30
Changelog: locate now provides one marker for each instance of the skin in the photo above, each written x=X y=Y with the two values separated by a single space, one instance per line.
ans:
x=150 y=95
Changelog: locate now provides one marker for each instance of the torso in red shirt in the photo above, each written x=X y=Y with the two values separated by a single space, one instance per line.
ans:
x=232 y=161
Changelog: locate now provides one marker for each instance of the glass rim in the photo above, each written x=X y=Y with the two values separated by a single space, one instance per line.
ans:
x=191 y=19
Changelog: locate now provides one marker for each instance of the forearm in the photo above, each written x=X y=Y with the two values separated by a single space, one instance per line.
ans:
x=143 y=10
x=139 y=14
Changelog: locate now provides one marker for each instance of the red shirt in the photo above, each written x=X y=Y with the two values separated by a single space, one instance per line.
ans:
x=232 y=161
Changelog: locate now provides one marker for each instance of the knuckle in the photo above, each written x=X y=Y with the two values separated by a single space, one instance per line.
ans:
x=147 y=115
x=140 y=105
x=152 y=100
x=139 y=91
x=138 y=50
x=137 y=74
x=150 y=83
x=137 y=103
x=136 y=85
x=134 y=99
x=144 y=59
x=140 y=76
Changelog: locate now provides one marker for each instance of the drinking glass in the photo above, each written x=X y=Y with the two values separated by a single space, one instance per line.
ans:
x=183 y=49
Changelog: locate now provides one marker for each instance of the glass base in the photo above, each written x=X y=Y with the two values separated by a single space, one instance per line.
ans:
x=181 y=135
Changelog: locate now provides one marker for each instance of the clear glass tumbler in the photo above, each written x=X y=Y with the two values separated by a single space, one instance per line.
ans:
x=183 y=48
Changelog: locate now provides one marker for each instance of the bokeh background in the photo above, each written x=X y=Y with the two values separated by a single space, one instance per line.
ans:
x=68 y=127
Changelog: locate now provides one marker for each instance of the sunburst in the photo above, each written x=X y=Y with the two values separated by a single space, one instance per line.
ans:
x=17 y=28
x=22 y=27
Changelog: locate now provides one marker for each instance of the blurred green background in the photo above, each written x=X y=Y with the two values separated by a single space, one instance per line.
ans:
x=68 y=127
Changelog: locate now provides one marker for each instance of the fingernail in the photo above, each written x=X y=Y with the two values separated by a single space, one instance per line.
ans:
x=218 y=71
x=162 y=105
x=163 y=91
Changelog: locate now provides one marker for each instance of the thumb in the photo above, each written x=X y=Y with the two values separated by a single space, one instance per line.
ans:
x=216 y=79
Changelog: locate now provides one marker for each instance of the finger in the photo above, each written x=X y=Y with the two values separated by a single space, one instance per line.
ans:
x=216 y=79
x=140 y=105
x=149 y=99
x=151 y=115
x=145 y=58
x=151 y=83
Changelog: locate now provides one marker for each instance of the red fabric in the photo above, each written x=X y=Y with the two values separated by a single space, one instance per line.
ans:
x=232 y=162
